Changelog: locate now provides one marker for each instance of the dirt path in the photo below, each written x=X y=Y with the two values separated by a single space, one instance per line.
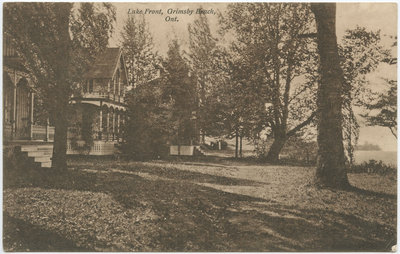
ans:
x=163 y=206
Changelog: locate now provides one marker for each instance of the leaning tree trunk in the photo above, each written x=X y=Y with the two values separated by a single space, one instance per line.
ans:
x=330 y=170
x=277 y=146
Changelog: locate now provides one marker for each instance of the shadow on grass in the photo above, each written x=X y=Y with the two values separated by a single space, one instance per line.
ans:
x=167 y=172
x=371 y=193
x=191 y=217
x=178 y=174
x=21 y=236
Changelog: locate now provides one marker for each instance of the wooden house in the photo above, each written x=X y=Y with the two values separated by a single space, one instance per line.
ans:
x=100 y=106
x=99 y=109
x=22 y=129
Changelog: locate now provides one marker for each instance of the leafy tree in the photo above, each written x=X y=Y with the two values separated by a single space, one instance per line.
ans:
x=179 y=90
x=149 y=127
x=360 y=53
x=202 y=47
x=231 y=109
x=273 y=54
x=146 y=131
x=137 y=42
x=56 y=43
x=383 y=110
x=331 y=159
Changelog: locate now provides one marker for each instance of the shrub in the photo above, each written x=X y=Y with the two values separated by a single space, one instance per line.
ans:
x=373 y=166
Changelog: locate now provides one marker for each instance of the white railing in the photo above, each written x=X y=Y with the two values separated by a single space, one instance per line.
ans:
x=40 y=132
x=98 y=147
x=95 y=95
x=103 y=95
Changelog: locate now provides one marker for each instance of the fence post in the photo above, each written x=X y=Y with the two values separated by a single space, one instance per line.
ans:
x=47 y=130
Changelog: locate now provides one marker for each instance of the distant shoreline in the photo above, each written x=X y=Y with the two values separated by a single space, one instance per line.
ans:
x=388 y=157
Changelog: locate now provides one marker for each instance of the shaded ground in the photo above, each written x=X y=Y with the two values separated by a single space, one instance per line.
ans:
x=195 y=206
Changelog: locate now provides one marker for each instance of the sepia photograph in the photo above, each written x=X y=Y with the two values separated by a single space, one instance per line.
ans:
x=199 y=127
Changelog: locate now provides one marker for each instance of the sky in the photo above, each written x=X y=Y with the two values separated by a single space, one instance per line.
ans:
x=373 y=16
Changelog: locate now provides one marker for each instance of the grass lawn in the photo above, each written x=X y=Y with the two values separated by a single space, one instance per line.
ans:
x=194 y=206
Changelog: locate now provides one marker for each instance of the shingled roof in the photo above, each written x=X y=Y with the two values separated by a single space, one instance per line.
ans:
x=105 y=64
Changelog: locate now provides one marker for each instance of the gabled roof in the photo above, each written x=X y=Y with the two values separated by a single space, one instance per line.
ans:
x=105 y=64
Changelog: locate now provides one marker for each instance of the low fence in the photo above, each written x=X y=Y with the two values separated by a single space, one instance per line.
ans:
x=98 y=147
x=181 y=150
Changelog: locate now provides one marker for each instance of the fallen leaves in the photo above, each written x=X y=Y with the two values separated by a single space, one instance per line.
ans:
x=87 y=218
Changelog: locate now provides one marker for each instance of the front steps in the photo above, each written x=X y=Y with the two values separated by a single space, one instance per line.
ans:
x=198 y=151
x=39 y=154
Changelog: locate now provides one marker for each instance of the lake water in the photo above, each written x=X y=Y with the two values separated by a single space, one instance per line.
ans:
x=389 y=157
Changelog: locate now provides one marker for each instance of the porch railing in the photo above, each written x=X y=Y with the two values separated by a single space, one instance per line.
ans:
x=103 y=95
x=95 y=95
x=40 y=132
x=32 y=132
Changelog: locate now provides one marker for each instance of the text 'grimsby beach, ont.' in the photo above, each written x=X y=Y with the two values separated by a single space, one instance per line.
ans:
x=171 y=12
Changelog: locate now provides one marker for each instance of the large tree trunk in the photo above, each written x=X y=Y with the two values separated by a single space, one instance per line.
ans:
x=59 y=160
x=59 y=96
x=59 y=115
x=276 y=147
x=330 y=170
x=236 y=144
x=240 y=149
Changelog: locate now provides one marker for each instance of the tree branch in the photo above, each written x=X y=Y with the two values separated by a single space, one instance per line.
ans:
x=393 y=132
x=298 y=127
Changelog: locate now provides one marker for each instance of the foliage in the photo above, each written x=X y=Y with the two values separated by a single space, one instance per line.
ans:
x=261 y=146
x=179 y=91
x=272 y=54
x=146 y=131
x=373 y=166
x=82 y=127
x=201 y=56
x=148 y=128
x=137 y=43
x=360 y=53
x=234 y=108
x=383 y=111
x=56 y=42
x=299 y=150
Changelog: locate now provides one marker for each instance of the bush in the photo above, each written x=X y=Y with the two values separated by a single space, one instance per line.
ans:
x=373 y=166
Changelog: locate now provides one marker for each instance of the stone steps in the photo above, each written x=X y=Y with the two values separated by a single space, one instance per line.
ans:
x=40 y=154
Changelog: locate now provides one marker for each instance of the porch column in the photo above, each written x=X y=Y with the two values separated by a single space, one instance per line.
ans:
x=119 y=85
x=123 y=125
x=108 y=123
x=14 y=119
x=101 y=121
x=31 y=115
x=114 y=83
x=118 y=125
x=113 y=125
